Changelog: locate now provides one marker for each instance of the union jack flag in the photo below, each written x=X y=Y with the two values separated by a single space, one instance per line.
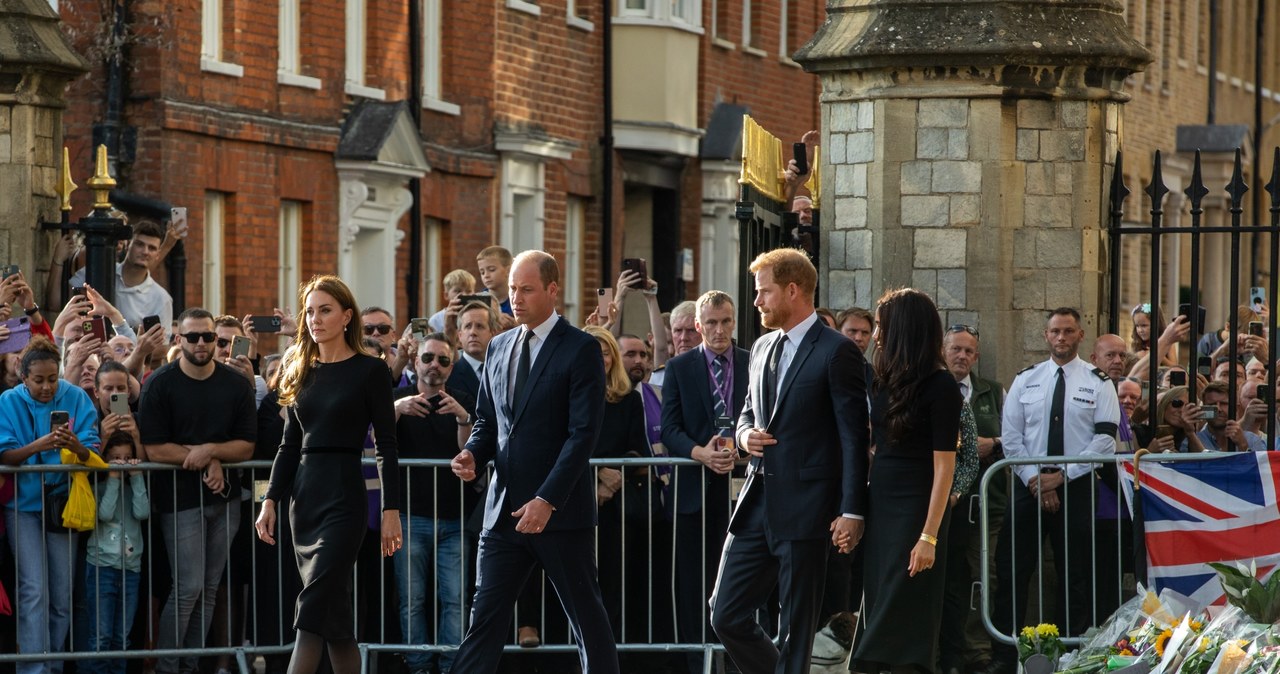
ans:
x=1218 y=510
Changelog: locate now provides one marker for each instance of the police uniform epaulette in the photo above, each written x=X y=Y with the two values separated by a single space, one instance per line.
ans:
x=1027 y=369
x=1101 y=375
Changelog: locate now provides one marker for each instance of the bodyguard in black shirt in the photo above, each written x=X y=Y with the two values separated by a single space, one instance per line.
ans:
x=197 y=414
x=432 y=422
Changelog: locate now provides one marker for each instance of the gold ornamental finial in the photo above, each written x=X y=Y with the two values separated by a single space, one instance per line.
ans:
x=102 y=182
x=65 y=185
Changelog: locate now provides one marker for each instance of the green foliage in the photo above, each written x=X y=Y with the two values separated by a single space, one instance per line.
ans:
x=1260 y=601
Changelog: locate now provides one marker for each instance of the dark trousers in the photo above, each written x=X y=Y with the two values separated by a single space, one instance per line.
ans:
x=1017 y=552
x=503 y=565
x=699 y=541
x=959 y=588
x=752 y=564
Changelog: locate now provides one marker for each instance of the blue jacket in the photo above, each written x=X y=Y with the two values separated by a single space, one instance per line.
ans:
x=23 y=420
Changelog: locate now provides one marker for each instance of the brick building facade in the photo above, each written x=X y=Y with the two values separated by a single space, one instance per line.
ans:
x=390 y=141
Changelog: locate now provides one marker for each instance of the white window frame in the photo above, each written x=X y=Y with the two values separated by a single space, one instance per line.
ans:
x=215 y=213
x=289 y=61
x=574 y=238
x=526 y=6
x=432 y=269
x=290 y=253
x=748 y=46
x=661 y=13
x=523 y=177
x=575 y=21
x=433 y=59
x=783 y=27
x=357 y=32
x=211 y=41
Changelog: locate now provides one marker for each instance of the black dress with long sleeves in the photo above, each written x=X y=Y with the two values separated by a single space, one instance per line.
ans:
x=318 y=465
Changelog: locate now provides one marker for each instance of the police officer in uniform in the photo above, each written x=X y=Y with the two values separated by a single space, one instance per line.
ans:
x=1060 y=407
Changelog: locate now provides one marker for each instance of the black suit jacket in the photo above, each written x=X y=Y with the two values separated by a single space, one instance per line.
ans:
x=464 y=378
x=688 y=420
x=541 y=444
x=818 y=468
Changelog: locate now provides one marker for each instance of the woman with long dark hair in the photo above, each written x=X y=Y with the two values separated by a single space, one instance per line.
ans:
x=332 y=391
x=915 y=423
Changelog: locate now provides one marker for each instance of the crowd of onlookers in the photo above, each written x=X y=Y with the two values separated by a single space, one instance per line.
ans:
x=172 y=563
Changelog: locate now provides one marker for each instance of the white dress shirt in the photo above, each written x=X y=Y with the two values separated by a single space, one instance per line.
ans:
x=966 y=387
x=793 y=337
x=478 y=365
x=1091 y=415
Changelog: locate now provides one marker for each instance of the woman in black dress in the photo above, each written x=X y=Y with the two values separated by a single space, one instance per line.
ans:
x=915 y=423
x=332 y=392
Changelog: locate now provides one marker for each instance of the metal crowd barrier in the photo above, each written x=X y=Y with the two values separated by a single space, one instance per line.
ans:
x=1118 y=568
x=259 y=575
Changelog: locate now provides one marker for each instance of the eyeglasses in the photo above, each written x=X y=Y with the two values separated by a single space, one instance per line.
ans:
x=443 y=360
x=963 y=328
x=381 y=329
x=223 y=343
x=206 y=337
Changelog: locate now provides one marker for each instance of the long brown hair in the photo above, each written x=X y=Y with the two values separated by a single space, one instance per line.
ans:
x=301 y=357
x=908 y=351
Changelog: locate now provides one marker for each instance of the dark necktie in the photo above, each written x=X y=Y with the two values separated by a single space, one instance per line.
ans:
x=771 y=375
x=1056 y=441
x=721 y=374
x=522 y=367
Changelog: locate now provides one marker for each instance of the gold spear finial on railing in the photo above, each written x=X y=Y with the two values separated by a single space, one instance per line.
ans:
x=102 y=182
x=65 y=185
x=1137 y=470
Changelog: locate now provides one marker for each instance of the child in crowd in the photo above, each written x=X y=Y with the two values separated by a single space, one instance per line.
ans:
x=495 y=263
x=114 y=558
x=456 y=283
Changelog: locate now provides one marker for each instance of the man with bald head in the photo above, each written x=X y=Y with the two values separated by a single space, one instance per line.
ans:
x=1113 y=525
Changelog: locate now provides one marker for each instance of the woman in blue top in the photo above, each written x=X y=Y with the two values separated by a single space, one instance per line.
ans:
x=44 y=558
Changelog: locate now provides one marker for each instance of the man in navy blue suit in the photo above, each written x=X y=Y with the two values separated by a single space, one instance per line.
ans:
x=703 y=393
x=537 y=418
x=477 y=324
x=804 y=423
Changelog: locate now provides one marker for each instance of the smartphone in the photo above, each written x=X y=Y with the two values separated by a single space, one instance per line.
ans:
x=264 y=324
x=1177 y=378
x=1255 y=328
x=420 y=327
x=1257 y=297
x=240 y=346
x=59 y=418
x=1204 y=365
x=1208 y=414
x=77 y=291
x=11 y=270
x=119 y=404
x=1264 y=394
x=801 y=155
x=637 y=265
x=19 y=335
x=435 y=402
x=178 y=218
x=605 y=296
x=95 y=326
x=1185 y=310
x=486 y=300
x=149 y=322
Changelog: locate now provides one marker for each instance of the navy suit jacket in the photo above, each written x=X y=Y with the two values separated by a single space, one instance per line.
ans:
x=541 y=444
x=464 y=378
x=688 y=420
x=818 y=468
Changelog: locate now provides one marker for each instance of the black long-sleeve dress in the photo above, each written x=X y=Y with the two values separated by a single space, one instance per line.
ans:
x=319 y=466
x=901 y=480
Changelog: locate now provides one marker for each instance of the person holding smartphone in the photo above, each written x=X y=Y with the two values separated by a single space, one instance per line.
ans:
x=332 y=391
x=1221 y=431
x=43 y=551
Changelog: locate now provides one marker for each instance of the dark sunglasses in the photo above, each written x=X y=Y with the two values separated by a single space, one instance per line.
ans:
x=443 y=360
x=963 y=328
x=223 y=343
x=380 y=329
x=206 y=337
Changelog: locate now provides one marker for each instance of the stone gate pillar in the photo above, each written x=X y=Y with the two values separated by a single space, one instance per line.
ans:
x=968 y=147
x=36 y=63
